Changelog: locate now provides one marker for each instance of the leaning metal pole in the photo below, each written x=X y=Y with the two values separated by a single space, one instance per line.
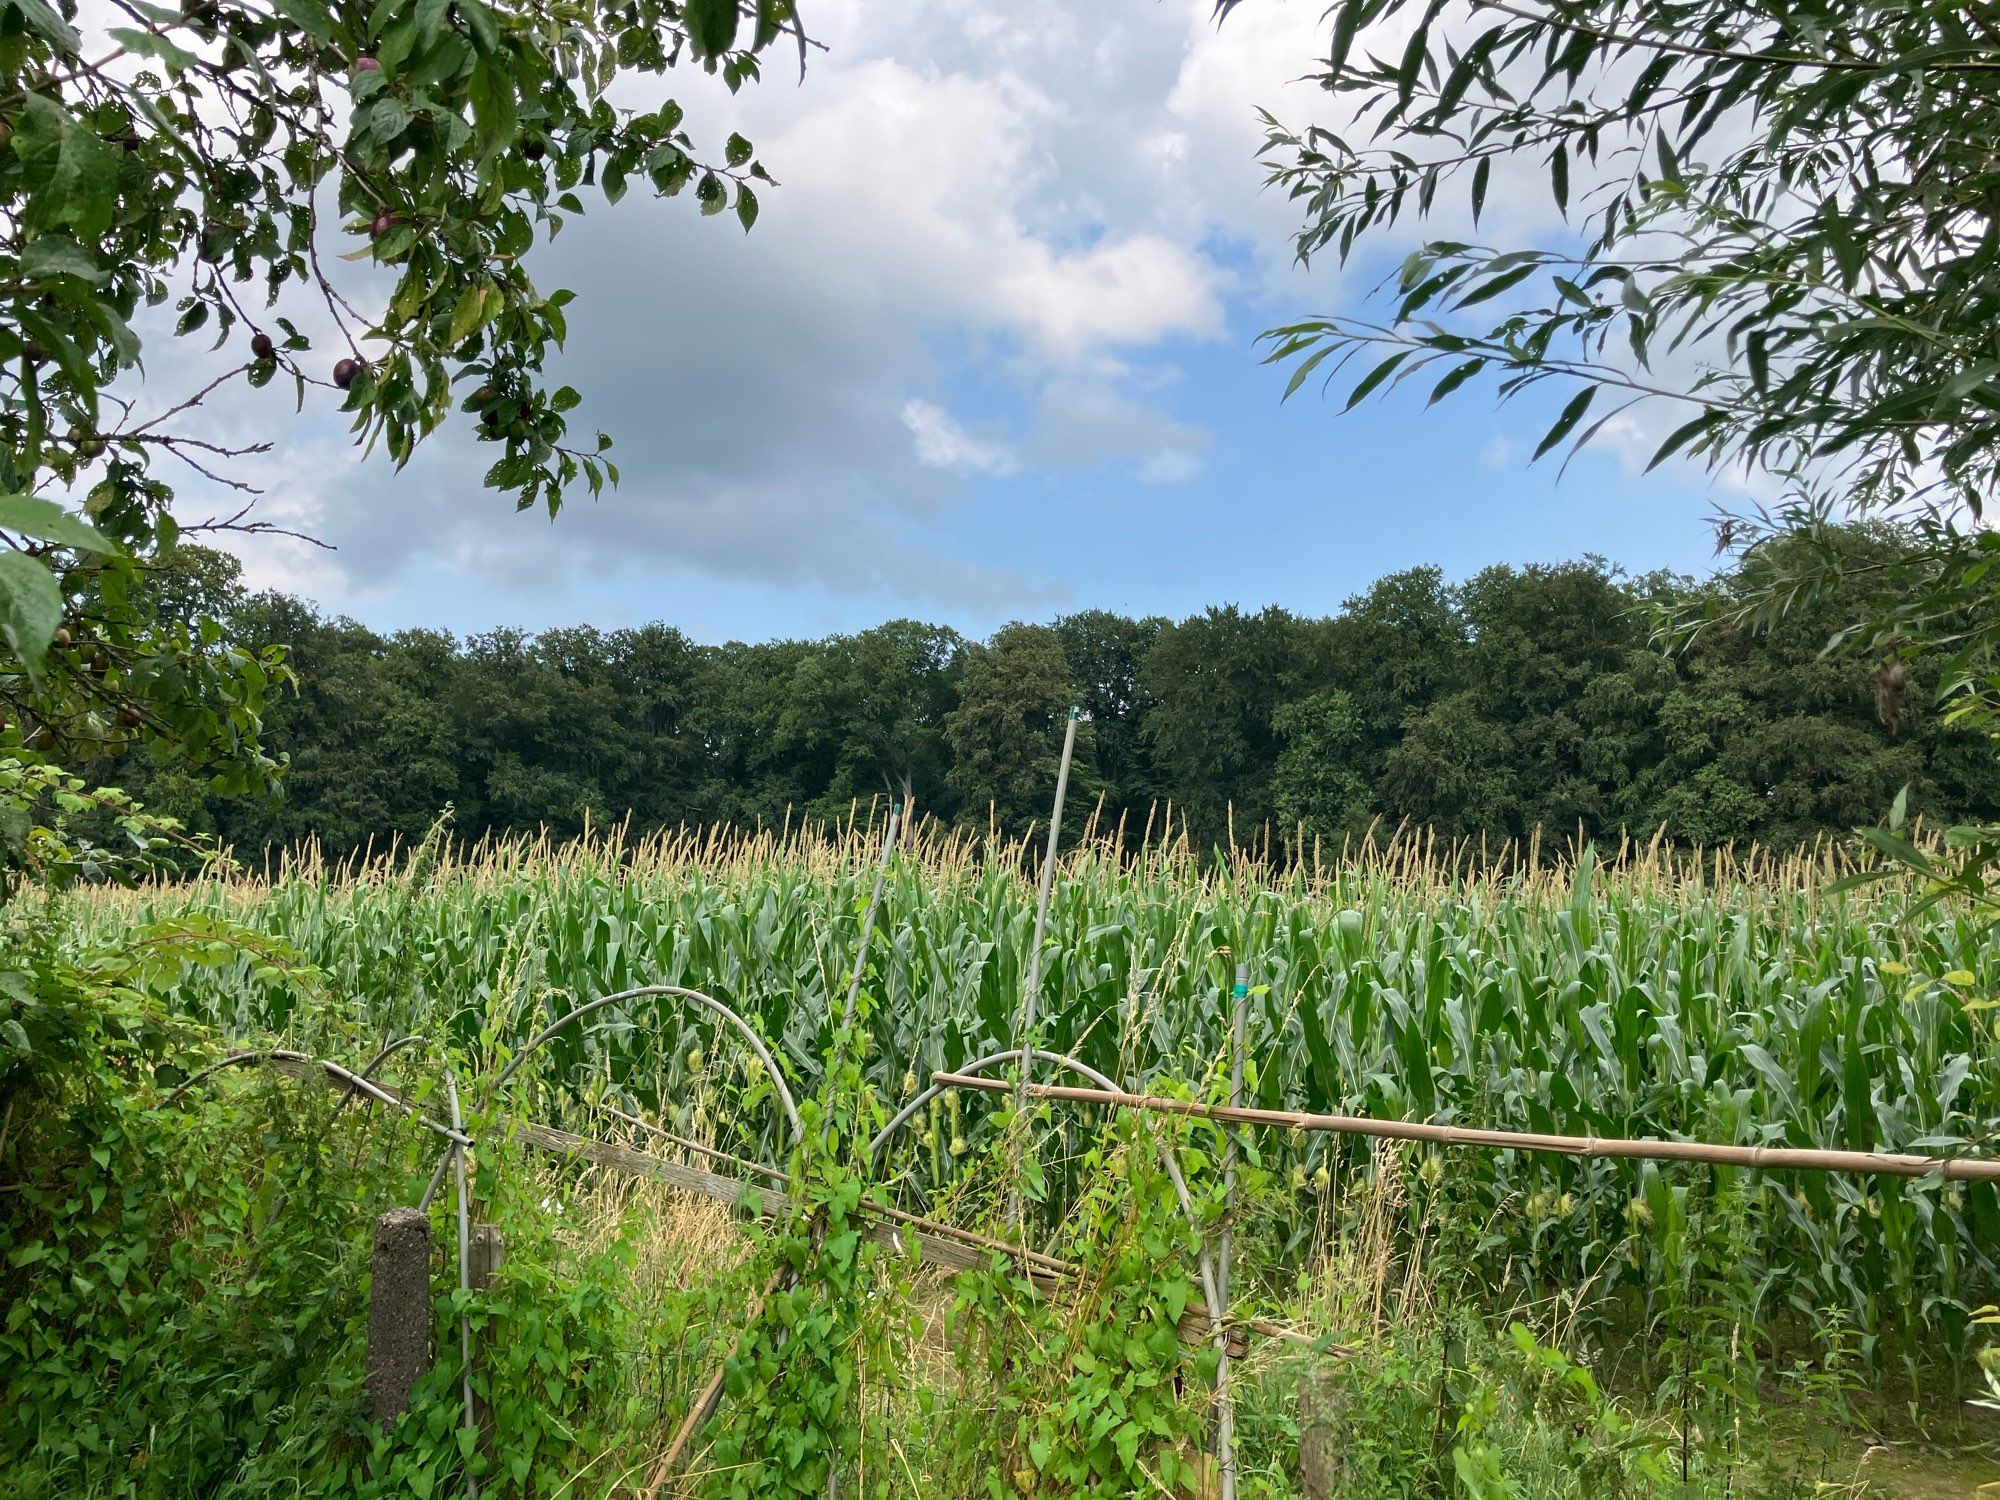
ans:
x=874 y=905
x=464 y=1285
x=1225 y=1398
x=1031 y=995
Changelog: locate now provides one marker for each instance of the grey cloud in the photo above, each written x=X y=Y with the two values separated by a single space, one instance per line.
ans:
x=1091 y=422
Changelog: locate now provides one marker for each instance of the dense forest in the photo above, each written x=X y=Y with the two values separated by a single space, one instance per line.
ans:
x=1522 y=697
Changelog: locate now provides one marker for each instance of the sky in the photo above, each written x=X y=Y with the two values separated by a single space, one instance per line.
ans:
x=990 y=353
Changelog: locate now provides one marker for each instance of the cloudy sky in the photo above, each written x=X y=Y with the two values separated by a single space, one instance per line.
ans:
x=989 y=354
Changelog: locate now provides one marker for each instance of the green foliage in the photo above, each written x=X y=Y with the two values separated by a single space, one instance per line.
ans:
x=1215 y=681
x=832 y=1310
x=1519 y=700
x=1802 y=188
x=42 y=842
x=137 y=1357
x=1006 y=734
x=234 y=1226
x=1091 y=1393
x=1318 y=787
x=185 y=1285
x=872 y=709
x=1654 y=1000
x=212 y=159
x=562 y=1346
x=1447 y=1403
x=109 y=662
x=1562 y=1435
x=142 y=1348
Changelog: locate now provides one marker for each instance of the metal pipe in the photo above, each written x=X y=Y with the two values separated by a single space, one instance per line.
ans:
x=437 y=1177
x=1225 y=1399
x=973 y=1068
x=1031 y=995
x=874 y=903
x=679 y=992
x=375 y=1062
x=332 y=1069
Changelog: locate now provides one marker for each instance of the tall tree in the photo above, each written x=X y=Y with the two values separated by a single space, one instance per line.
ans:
x=1106 y=653
x=1215 y=681
x=1005 y=736
x=879 y=701
x=1396 y=648
x=1319 y=786
x=373 y=748
x=768 y=765
x=660 y=679
x=1540 y=638
x=226 y=159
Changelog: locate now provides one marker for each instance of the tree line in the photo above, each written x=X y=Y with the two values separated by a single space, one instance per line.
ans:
x=1542 y=697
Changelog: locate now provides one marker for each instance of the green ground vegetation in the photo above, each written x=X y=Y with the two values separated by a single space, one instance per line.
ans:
x=186 y=1284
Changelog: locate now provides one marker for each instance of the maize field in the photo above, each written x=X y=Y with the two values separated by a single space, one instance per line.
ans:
x=1627 y=993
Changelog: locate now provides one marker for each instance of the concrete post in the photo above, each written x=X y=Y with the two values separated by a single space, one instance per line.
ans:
x=399 y=1311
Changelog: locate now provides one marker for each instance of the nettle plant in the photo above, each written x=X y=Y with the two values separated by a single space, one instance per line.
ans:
x=211 y=169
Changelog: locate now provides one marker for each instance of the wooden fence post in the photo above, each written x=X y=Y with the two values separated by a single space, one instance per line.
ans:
x=489 y=1252
x=399 y=1311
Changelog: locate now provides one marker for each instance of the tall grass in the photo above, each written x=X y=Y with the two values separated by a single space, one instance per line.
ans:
x=1638 y=991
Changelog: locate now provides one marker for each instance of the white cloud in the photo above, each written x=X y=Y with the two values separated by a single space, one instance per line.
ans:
x=929 y=196
x=943 y=444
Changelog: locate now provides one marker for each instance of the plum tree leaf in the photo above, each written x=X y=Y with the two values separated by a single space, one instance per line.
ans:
x=30 y=608
x=44 y=521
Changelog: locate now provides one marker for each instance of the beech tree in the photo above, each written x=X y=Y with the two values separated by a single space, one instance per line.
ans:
x=208 y=172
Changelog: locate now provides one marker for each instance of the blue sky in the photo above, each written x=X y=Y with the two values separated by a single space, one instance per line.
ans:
x=989 y=354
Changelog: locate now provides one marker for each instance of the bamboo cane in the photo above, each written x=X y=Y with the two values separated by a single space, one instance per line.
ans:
x=1766 y=1158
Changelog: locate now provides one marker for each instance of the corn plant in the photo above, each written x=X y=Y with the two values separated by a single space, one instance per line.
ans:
x=1634 y=993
